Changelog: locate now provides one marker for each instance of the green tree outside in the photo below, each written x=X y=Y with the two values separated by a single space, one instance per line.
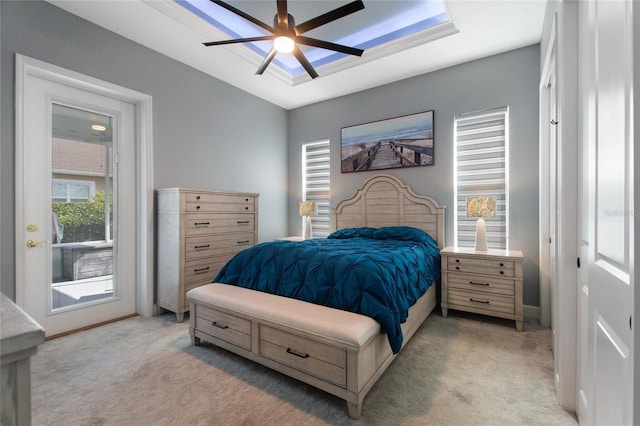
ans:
x=83 y=221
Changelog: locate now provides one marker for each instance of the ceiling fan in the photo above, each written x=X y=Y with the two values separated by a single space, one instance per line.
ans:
x=286 y=35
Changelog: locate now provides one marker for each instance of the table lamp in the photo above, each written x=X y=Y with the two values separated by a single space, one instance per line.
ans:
x=308 y=209
x=481 y=207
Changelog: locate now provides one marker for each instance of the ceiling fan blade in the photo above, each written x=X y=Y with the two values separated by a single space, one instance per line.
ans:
x=266 y=61
x=283 y=17
x=338 y=13
x=329 y=46
x=244 y=15
x=238 y=40
x=304 y=62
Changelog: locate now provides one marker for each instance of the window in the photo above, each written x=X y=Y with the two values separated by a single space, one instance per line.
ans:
x=316 y=184
x=481 y=169
x=73 y=191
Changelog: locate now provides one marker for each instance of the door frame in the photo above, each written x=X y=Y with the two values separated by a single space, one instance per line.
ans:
x=565 y=44
x=27 y=66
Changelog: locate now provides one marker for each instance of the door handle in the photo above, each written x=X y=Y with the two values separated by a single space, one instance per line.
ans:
x=34 y=243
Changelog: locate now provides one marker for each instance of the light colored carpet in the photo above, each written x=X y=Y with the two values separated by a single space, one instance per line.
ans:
x=461 y=370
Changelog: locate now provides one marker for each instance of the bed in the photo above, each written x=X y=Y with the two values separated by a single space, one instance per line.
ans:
x=332 y=346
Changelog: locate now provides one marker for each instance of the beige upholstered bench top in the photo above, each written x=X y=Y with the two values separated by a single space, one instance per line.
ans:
x=342 y=326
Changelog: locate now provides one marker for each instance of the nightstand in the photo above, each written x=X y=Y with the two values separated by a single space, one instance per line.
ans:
x=483 y=282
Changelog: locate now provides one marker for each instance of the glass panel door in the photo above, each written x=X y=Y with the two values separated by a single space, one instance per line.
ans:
x=81 y=207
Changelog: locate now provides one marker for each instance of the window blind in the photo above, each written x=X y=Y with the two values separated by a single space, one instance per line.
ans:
x=316 y=184
x=481 y=169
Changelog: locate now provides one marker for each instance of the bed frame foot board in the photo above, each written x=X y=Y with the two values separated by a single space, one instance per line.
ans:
x=344 y=363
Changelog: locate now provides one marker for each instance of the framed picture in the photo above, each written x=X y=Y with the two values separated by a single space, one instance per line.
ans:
x=405 y=141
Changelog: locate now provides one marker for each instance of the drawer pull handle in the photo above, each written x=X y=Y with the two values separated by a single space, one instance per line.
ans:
x=475 y=283
x=202 y=247
x=501 y=272
x=246 y=208
x=201 y=223
x=298 y=354
x=201 y=270
x=197 y=197
x=215 y=324
x=197 y=207
x=457 y=268
x=243 y=242
x=479 y=301
x=457 y=260
x=246 y=199
x=243 y=222
x=501 y=264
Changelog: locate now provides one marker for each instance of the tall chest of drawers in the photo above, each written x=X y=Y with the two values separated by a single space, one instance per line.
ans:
x=484 y=282
x=198 y=231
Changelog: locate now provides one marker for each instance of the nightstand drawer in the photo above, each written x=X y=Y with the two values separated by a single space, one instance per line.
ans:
x=492 y=285
x=480 y=302
x=502 y=268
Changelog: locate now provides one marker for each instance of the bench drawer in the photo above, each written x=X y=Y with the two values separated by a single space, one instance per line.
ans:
x=315 y=358
x=230 y=328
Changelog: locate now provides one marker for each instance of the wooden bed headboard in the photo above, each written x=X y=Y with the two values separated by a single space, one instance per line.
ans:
x=384 y=200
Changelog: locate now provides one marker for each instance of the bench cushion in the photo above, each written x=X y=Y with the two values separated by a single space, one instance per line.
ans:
x=342 y=326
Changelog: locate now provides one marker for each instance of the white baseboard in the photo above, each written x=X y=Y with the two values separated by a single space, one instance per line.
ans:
x=532 y=312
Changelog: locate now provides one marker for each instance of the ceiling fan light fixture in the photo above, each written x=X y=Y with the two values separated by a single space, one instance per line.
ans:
x=283 y=44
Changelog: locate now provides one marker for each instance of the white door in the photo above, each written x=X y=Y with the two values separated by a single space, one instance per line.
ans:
x=76 y=200
x=606 y=362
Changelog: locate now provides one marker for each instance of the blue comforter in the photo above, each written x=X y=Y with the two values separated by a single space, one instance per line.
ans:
x=375 y=272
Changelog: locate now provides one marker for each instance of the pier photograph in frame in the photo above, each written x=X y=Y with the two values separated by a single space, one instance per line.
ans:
x=405 y=141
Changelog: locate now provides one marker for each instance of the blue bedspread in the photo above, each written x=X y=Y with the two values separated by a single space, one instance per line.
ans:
x=375 y=272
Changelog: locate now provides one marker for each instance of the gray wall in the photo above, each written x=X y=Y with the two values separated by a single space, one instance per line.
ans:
x=207 y=134
x=506 y=79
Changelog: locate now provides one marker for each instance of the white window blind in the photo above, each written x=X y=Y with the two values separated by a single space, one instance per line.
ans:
x=316 y=183
x=481 y=169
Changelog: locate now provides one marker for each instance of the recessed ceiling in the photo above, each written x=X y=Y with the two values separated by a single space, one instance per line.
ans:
x=379 y=23
x=401 y=39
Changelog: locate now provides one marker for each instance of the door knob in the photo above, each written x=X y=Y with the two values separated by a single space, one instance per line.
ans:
x=34 y=243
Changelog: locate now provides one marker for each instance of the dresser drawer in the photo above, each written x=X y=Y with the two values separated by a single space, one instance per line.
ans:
x=195 y=270
x=199 y=224
x=485 y=284
x=480 y=302
x=230 y=328
x=203 y=202
x=502 y=268
x=204 y=269
x=315 y=358
x=215 y=245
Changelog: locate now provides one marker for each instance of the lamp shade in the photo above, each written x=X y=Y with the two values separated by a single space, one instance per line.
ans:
x=481 y=206
x=308 y=208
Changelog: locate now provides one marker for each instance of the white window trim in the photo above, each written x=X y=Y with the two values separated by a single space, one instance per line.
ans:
x=67 y=182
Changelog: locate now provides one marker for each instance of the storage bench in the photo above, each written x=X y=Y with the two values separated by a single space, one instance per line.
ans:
x=333 y=350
